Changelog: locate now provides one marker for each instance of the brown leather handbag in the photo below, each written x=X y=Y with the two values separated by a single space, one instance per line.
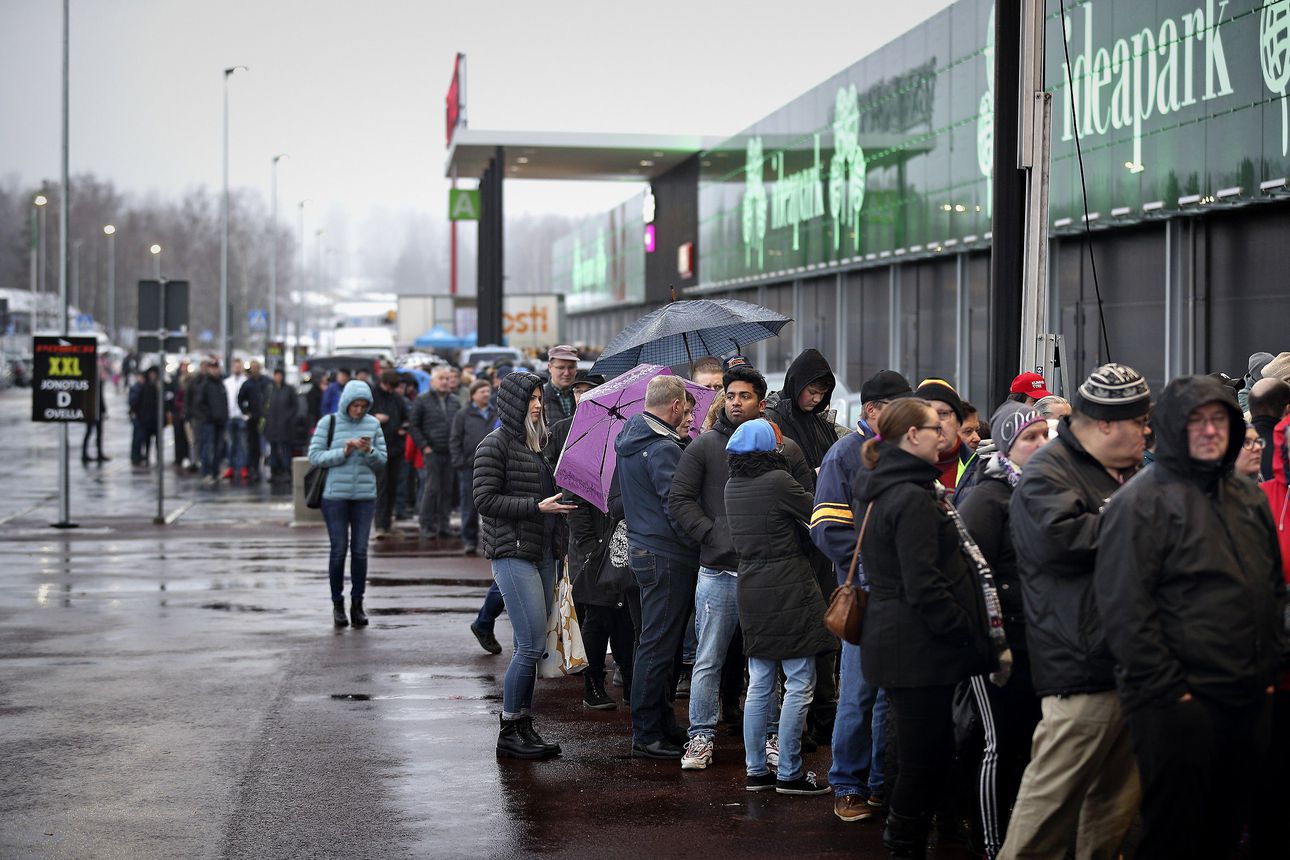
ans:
x=845 y=615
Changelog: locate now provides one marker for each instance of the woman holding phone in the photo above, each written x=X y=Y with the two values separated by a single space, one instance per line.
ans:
x=355 y=456
x=522 y=533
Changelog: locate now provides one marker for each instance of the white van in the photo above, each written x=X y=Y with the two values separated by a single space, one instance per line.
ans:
x=373 y=341
x=494 y=355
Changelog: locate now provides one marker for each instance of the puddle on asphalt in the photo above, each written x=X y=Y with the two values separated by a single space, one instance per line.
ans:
x=425 y=580
x=351 y=697
x=400 y=610
x=239 y=607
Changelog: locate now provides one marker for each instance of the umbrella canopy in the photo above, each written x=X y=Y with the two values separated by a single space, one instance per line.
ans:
x=588 y=460
x=439 y=338
x=680 y=332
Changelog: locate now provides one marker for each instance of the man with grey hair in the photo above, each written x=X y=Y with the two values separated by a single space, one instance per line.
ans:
x=664 y=562
x=431 y=425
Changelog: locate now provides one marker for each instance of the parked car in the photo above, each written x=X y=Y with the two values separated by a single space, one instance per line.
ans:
x=331 y=363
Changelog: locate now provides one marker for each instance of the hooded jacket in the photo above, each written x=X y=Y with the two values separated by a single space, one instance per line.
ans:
x=648 y=451
x=781 y=610
x=697 y=499
x=1278 y=490
x=351 y=477
x=510 y=480
x=926 y=622
x=813 y=431
x=284 y=407
x=985 y=513
x=1189 y=579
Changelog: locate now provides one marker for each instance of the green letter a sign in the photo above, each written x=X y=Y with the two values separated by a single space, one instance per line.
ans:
x=463 y=204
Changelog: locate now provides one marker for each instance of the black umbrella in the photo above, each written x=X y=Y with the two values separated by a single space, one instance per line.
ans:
x=677 y=332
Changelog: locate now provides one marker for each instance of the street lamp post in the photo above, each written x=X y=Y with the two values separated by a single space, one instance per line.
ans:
x=76 y=275
x=162 y=331
x=226 y=345
x=273 y=252
x=303 y=262
x=37 y=257
x=318 y=255
x=155 y=250
x=109 y=230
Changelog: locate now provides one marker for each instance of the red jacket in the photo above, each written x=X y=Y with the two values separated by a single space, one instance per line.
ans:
x=1278 y=492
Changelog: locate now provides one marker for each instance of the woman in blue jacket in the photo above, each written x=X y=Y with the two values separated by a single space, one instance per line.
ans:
x=356 y=453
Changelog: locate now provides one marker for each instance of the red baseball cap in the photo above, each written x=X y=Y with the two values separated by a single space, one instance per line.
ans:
x=1031 y=385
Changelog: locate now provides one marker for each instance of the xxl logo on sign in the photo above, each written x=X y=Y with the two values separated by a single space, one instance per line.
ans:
x=1156 y=71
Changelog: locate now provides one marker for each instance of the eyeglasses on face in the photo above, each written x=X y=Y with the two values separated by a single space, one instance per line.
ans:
x=1255 y=444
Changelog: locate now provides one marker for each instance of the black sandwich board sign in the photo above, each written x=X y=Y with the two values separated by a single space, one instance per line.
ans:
x=65 y=379
x=151 y=311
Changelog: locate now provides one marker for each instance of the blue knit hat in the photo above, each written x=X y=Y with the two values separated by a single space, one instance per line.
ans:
x=752 y=437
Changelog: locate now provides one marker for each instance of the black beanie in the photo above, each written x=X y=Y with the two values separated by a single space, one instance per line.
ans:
x=1113 y=392
x=939 y=389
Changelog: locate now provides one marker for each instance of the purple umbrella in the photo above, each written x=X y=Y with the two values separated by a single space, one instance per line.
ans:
x=587 y=463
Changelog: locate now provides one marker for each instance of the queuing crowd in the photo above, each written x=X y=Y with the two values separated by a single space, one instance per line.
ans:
x=1076 y=610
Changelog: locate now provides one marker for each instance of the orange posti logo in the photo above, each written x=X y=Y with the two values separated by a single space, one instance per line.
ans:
x=64 y=365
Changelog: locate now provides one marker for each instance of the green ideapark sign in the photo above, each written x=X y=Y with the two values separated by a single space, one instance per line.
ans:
x=601 y=263
x=1171 y=99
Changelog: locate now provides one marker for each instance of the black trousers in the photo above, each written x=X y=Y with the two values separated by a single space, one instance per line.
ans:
x=925 y=740
x=603 y=626
x=182 y=452
x=387 y=490
x=254 y=447
x=1195 y=751
x=95 y=427
x=1269 y=822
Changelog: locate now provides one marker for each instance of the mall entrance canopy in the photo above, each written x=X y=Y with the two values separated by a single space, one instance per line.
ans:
x=494 y=156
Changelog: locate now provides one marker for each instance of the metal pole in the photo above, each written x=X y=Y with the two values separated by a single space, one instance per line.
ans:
x=76 y=276
x=44 y=263
x=273 y=255
x=162 y=330
x=35 y=268
x=112 y=285
x=64 y=477
x=226 y=344
x=318 y=255
x=452 y=228
x=303 y=269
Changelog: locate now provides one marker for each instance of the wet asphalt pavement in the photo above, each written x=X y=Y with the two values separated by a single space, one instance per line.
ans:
x=179 y=691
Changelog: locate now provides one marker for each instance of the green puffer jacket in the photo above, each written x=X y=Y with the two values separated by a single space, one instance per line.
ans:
x=353 y=477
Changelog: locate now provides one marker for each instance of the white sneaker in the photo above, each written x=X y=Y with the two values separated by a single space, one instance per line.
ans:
x=772 y=751
x=698 y=753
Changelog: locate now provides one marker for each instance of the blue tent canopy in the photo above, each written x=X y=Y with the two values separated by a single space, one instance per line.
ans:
x=440 y=338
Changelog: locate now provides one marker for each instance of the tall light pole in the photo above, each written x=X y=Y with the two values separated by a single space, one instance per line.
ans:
x=273 y=252
x=155 y=250
x=226 y=345
x=76 y=275
x=303 y=263
x=318 y=255
x=37 y=256
x=109 y=230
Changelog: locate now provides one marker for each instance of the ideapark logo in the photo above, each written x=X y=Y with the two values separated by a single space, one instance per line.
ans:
x=799 y=197
x=1274 y=55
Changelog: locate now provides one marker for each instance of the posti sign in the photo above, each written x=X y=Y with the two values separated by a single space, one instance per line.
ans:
x=894 y=154
x=65 y=379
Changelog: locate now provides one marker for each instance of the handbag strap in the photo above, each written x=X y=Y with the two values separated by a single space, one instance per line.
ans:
x=855 y=557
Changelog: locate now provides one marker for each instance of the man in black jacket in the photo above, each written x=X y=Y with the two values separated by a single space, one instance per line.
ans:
x=211 y=413
x=697 y=501
x=388 y=408
x=664 y=562
x=469 y=427
x=250 y=399
x=431 y=424
x=1081 y=785
x=1189 y=585
x=280 y=426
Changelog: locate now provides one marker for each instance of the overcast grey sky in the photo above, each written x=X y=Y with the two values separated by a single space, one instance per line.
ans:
x=354 y=91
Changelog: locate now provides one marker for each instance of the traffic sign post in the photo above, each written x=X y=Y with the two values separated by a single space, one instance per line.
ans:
x=163 y=327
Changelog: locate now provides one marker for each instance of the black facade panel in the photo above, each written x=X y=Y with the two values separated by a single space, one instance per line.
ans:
x=676 y=221
x=1249 y=287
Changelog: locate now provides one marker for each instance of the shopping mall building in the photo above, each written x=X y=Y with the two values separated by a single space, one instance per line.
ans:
x=862 y=208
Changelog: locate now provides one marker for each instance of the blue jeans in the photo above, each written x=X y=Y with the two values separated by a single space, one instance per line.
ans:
x=799 y=686
x=236 y=443
x=208 y=444
x=667 y=596
x=715 y=618
x=493 y=606
x=349 y=525
x=859 y=732
x=469 y=518
x=528 y=589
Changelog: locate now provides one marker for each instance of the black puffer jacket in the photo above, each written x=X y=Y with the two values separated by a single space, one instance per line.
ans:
x=284 y=406
x=985 y=513
x=210 y=406
x=431 y=421
x=781 y=610
x=1189 y=571
x=1056 y=516
x=926 y=623
x=814 y=431
x=510 y=481
x=697 y=499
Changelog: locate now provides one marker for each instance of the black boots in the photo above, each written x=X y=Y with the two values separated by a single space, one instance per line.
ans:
x=905 y=836
x=338 y=613
x=518 y=739
x=595 y=696
x=356 y=614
